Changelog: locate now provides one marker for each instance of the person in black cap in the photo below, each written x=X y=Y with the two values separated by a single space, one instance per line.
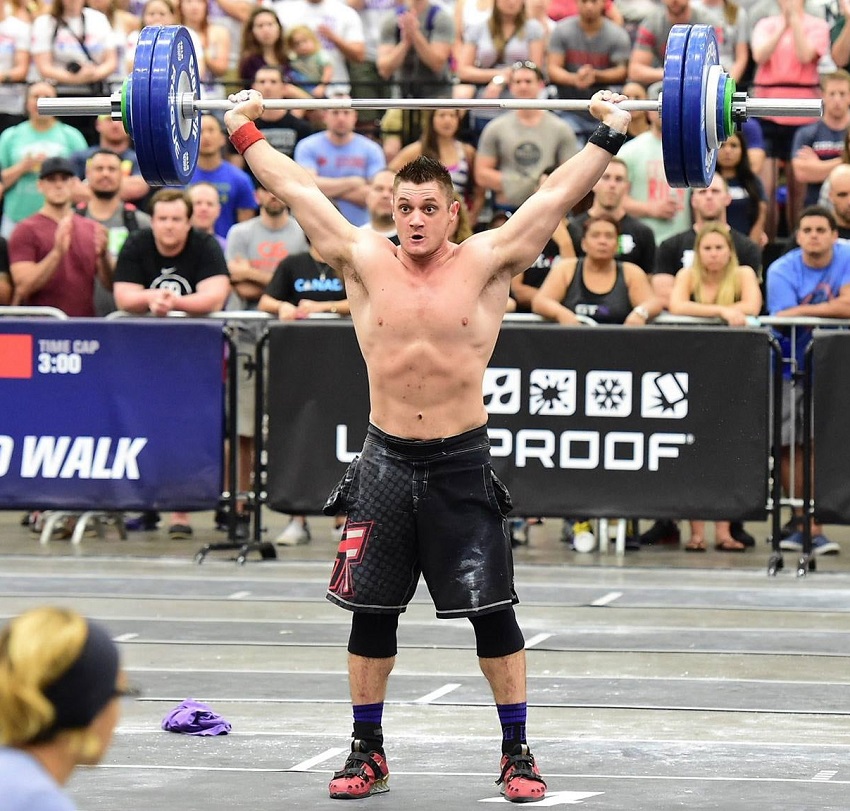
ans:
x=60 y=681
x=54 y=255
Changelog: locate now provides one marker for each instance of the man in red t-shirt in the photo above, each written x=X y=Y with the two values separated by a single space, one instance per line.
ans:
x=54 y=255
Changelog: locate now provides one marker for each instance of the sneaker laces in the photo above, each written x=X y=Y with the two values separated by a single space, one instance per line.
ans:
x=355 y=766
x=522 y=764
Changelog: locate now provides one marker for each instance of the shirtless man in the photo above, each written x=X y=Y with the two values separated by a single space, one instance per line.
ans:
x=422 y=495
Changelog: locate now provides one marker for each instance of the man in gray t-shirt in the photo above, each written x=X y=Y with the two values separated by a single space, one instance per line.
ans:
x=414 y=49
x=587 y=52
x=105 y=172
x=647 y=61
x=254 y=249
x=517 y=146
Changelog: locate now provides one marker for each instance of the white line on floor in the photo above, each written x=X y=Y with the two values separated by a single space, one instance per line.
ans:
x=554 y=798
x=124 y=637
x=536 y=640
x=608 y=598
x=330 y=753
x=239 y=595
x=824 y=775
x=306 y=765
x=438 y=693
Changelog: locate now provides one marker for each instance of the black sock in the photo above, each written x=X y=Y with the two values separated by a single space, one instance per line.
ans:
x=512 y=718
x=367 y=726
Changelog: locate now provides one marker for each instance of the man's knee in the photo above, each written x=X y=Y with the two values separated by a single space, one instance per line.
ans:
x=497 y=634
x=373 y=635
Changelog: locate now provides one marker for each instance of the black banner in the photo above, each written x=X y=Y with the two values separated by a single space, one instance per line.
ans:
x=831 y=393
x=652 y=422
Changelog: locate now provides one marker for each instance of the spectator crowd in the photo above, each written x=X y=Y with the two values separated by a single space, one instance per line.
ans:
x=82 y=231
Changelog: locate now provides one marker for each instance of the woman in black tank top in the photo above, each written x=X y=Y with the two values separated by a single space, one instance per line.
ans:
x=597 y=287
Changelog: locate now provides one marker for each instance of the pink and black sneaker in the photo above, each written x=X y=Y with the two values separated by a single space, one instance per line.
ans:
x=365 y=773
x=520 y=778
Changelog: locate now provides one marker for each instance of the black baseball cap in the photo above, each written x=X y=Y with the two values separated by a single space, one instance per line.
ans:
x=56 y=166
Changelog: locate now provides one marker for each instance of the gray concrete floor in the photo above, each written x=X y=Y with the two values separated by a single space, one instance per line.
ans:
x=660 y=680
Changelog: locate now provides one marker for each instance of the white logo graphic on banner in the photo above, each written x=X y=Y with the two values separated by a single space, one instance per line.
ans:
x=502 y=390
x=608 y=394
x=664 y=395
x=552 y=391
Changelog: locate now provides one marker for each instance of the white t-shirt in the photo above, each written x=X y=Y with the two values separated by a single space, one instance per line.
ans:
x=14 y=37
x=338 y=16
x=92 y=28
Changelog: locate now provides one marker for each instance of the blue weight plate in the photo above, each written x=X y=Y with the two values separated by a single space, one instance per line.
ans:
x=174 y=71
x=140 y=106
x=700 y=53
x=671 y=106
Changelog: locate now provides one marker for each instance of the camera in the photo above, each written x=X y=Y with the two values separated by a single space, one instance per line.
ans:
x=73 y=67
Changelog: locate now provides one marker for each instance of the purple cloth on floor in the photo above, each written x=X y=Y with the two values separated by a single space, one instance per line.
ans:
x=195 y=718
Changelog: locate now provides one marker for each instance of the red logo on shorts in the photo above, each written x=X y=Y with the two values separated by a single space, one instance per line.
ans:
x=352 y=547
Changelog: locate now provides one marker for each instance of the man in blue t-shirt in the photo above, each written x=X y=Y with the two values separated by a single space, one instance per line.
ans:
x=342 y=162
x=818 y=148
x=235 y=187
x=812 y=281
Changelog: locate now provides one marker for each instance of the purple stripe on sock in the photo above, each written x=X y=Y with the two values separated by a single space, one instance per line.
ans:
x=512 y=713
x=368 y=713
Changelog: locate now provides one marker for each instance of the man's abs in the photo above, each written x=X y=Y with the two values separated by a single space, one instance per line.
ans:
x=425 y=400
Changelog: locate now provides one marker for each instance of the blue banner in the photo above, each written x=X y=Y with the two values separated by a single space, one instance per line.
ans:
x=117 y=415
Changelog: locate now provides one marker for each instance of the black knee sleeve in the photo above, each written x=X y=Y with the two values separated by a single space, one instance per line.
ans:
x=497 y=634
x=373 y=635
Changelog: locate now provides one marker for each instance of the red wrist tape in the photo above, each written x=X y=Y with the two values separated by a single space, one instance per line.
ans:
x=245 y=136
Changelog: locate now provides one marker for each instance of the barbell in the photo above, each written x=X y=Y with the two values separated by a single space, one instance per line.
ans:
x=160 y=105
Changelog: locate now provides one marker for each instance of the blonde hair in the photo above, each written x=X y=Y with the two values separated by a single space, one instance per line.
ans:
x=301 y=30
x=36 y=648
x=729 y=289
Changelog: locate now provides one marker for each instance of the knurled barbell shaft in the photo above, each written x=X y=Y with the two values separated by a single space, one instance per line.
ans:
x=752 y=107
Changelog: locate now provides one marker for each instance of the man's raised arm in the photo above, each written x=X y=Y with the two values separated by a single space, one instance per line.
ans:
x=520 y=240
x=327 y=229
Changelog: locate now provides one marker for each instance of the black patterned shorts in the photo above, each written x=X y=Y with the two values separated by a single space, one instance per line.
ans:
x=433 y=507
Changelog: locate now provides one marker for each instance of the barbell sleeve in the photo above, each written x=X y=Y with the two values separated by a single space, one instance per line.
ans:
x=75 y=106
x=781 y=108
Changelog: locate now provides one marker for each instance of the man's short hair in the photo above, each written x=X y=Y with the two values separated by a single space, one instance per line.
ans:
x=169 y=196
x=819 y=211
x=425 y=170
x=837 y=75
x=527 y=64
x=270 y=68
x=619 y=162
x=102 y=151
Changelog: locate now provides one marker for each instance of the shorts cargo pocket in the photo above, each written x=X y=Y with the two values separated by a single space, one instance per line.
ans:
x=499 y=495
x=338 y=501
